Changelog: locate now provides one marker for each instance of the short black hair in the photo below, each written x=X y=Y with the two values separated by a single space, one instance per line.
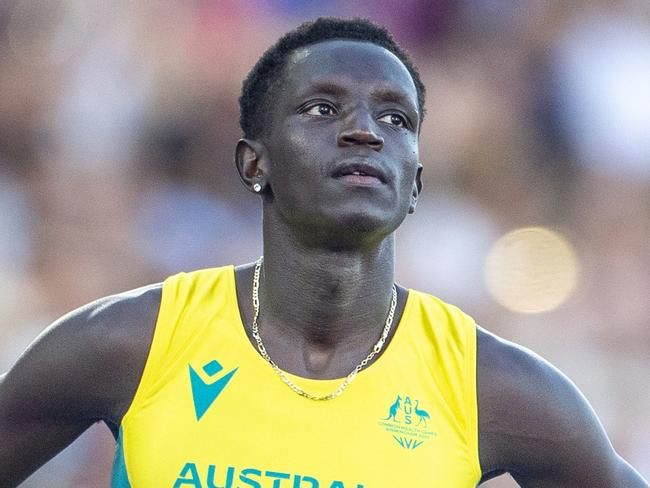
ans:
x=257 y=86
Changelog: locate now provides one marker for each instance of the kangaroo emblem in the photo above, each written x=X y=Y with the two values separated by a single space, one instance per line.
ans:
x=394 y=408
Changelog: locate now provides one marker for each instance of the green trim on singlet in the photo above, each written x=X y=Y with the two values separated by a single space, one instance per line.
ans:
x=120 y=478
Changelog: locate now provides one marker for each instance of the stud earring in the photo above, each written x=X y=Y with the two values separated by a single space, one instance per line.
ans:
x=257 y=187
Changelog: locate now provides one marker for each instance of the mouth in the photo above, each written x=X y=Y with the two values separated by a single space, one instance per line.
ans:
x=360 y=173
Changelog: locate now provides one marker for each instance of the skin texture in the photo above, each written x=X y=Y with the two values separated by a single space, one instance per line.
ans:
x=328 y=246
x=82 y=369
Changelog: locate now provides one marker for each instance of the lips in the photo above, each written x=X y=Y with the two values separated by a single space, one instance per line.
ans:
x=360 y=172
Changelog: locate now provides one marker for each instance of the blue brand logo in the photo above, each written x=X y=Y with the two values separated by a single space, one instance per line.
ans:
x=204 y=393
x=407 y=422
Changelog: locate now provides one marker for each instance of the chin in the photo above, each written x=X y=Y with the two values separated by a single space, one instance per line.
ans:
x=362 y=223
x=353 y=229
x=346 y=226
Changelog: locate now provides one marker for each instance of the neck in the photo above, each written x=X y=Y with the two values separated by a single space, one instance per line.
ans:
x=325 y=298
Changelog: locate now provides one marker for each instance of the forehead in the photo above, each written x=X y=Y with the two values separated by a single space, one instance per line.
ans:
x=351 y=61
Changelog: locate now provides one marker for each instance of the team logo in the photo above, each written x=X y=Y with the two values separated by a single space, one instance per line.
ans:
x=408 y=422
x=204 y=393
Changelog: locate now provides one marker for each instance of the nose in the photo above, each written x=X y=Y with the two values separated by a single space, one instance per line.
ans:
x=360 y=130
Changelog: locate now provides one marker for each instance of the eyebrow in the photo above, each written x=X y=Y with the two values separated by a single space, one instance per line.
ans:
x=391 y=95
x=326 y=87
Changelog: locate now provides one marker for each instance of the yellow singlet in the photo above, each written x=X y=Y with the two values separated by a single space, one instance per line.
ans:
x=211 y=413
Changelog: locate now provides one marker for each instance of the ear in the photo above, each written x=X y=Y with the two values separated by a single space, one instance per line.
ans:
x=252 y=164
x=417 y=189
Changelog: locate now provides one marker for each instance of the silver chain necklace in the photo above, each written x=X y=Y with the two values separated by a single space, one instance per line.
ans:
x=260 y=345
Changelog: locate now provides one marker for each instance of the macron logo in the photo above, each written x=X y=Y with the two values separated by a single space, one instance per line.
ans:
x=204 y=394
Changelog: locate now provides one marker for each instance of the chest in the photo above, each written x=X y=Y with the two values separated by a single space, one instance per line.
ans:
x=220 y=424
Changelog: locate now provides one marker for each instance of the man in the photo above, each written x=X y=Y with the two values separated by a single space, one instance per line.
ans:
x=308 y=368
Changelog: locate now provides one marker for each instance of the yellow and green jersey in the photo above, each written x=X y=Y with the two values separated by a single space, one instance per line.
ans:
x=211 y=413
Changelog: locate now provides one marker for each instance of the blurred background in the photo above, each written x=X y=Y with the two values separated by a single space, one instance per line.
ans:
x=118 y=121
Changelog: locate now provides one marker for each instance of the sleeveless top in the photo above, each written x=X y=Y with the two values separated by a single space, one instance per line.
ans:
x=210 y=412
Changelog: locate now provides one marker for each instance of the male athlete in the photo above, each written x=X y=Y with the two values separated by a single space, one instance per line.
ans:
x=308 y=368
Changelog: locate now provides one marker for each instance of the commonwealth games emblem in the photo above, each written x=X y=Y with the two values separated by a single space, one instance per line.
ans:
x=407 y=422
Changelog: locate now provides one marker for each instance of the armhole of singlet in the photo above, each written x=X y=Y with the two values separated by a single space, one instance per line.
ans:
x=471 y=396
x=161 y=336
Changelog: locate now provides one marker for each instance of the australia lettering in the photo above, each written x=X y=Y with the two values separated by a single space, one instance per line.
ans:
x=191 y=476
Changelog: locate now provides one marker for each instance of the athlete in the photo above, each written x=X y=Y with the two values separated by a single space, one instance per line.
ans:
x=309 y=367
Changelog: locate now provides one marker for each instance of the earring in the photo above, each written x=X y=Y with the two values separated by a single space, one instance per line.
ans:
x=257 y=187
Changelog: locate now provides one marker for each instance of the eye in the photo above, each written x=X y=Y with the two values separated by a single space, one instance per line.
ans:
x=393 y=119
x=323 y=109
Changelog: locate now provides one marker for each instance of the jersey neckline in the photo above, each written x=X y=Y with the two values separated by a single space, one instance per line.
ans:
x=250 y=349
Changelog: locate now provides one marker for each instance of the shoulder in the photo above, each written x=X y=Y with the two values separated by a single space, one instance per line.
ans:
x=534 y=422
x=118 y=331
x=113 y=323
x=516 y=386
x=88 y=363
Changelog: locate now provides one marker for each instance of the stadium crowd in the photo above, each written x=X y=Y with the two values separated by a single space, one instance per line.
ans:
x=118 y=122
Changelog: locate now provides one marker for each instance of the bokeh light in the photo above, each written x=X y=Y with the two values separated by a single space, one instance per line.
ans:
x=531 y=270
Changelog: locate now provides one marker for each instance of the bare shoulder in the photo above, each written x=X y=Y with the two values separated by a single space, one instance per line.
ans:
x=89 y=361
x=536 y=424
x=84 y=368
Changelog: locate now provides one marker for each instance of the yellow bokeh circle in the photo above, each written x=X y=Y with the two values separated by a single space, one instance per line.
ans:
x=531 y=270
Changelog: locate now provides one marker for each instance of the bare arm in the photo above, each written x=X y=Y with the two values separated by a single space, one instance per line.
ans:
x=82 y=369
x=535 y=424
